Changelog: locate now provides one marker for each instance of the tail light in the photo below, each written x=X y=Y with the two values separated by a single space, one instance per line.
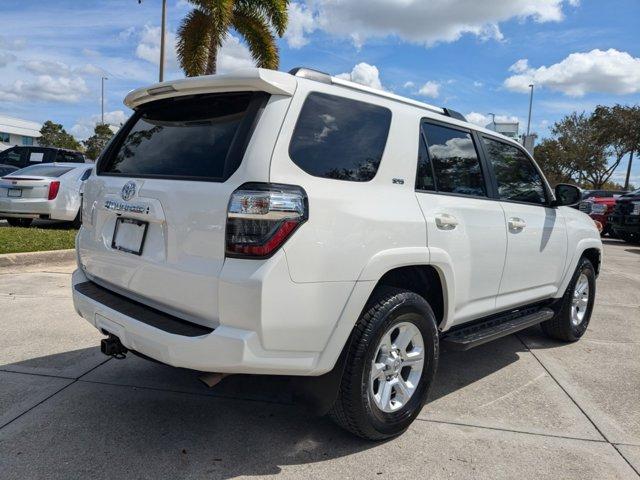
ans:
x=261 y=217
x=54 y=188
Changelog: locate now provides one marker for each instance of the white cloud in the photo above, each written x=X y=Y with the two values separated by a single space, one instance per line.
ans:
x=47 y=67
x=426 y=22
x=45 y=88
x=478 y=84
x=409 y=84
x=609 y=71
x=6 y=58
x=520 y=66
x=85 y=126
x=364 y=74
x=483 y=120
x=234 y=55
x=430 y=89
x=301 y=23
x=7 y=43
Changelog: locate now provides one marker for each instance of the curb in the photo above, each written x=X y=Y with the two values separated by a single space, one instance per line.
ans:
x=32 y=258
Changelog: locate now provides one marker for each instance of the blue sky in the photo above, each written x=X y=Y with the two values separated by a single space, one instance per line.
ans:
x=473 y=56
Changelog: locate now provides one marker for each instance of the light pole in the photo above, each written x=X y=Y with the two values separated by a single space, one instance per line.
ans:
x=530 y=105
x=102 y=103
x=162 y=38
x=493 y=118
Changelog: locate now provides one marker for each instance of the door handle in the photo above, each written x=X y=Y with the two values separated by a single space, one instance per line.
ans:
x=444 y=221
x=516 y=223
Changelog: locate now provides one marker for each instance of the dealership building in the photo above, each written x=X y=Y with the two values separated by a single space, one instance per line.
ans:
x=14 y=131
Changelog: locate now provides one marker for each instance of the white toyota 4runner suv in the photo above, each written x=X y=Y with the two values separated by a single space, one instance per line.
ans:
x=299 y=224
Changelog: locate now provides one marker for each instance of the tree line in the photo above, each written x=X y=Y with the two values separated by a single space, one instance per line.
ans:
x=586 y=149
x=54 y=135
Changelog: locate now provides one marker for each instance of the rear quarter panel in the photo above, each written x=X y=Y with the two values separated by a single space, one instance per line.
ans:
x=350 y=222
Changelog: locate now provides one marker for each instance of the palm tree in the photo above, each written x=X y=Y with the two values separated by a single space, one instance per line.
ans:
x=203 y=30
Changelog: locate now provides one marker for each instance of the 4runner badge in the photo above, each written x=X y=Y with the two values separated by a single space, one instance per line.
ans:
x=128 y=191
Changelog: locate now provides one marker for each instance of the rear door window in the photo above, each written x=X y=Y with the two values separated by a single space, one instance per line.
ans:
x=454 y=159
x=340 y=138
x=517 y=177
x=198 y=138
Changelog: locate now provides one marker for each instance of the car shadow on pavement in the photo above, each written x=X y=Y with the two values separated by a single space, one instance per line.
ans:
x=136 y=418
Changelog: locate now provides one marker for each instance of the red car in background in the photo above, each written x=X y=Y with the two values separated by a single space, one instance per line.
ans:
x=599 y=207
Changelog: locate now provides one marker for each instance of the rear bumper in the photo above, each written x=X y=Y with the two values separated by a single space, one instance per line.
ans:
x=277 y=339
x=25 y=208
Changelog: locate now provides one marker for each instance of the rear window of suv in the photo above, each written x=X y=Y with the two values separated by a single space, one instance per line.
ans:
x=340 y=138
x=194 y=138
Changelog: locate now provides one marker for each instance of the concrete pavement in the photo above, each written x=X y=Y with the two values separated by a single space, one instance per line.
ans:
x=521 y=407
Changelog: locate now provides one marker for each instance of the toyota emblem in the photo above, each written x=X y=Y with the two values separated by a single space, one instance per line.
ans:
x=128 y=191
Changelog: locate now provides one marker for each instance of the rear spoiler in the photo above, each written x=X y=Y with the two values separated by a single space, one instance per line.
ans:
x=252 y=79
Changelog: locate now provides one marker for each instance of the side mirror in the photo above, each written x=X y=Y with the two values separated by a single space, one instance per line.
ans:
x=567 y=195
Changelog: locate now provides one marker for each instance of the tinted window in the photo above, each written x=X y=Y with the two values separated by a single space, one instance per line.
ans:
x=339 y=138
x=455 y=160
x=69 y=157
x=424 y=176
x=518 y=180
x=184 y=137
x=42 y=171
x=14 y=157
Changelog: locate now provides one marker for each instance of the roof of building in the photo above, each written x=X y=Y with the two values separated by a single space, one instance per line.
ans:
x=17 y=126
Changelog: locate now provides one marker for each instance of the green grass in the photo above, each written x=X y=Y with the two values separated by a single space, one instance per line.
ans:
x=16 y=240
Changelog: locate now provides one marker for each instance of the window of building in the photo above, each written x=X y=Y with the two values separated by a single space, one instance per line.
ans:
x=340 y=138
x=455 y=161
x=517 y=177
x=4 y=137
x=27 y=141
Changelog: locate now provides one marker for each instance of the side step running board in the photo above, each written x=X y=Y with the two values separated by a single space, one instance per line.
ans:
x=491 y=329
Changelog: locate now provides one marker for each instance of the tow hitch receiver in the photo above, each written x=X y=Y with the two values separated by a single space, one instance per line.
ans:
x=112 y=347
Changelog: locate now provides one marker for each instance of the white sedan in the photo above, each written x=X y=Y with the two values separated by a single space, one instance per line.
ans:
x=51 y=191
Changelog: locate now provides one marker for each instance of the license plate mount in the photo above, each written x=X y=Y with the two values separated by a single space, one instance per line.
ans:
x=14 y=192
x=129 y=235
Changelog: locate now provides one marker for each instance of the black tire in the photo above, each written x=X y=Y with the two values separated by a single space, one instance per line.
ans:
x=77 y=222
x=354 y=409
x=20 y=222
x=628 y=237
x=561 y=326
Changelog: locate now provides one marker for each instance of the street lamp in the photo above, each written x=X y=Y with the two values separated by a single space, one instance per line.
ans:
x=102 y=103
x=530 y=105
x=162 y=38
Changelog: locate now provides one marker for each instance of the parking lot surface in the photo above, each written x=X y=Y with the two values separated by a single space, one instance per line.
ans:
x=521 y=407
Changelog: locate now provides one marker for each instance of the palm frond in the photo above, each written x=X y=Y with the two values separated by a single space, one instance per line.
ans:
x=275 y=11
x=254 y=27
x=193 y=43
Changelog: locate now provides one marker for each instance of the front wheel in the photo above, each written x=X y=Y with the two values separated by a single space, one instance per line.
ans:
x=391 y=363
x=574 y=315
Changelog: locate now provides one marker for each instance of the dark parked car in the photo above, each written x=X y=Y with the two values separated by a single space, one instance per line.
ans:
x=15 y=158
x=625 y=218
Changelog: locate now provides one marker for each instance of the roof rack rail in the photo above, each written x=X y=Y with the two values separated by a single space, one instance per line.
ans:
x=311 y=74
x=453 y=114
